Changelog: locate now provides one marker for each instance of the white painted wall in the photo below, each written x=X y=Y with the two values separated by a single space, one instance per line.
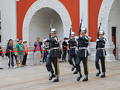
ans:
x=40 y=24
x=8 y=12
x=84 y=12
x=114 y=18
x=114 y=21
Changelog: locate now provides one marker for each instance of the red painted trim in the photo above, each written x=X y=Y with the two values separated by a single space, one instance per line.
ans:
x=22 y=7
x=73 y=7
x=93 y=11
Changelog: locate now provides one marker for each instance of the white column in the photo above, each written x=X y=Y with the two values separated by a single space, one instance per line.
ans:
x=84 y=12
x=8 y=15
x=13 y=22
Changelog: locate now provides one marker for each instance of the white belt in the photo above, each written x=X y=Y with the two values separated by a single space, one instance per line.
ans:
x=73 y=47
x=54 y=48
x=82 y=48
x=100 y=48
x=103 y=50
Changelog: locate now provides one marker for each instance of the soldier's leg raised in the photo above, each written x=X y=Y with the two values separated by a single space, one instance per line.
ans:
x=71 y=62
x=50 y=68
x=103 y=66
x=78 y=68
x=56 y=67
x=75 y=57
x=97 y=66
x=85 y=68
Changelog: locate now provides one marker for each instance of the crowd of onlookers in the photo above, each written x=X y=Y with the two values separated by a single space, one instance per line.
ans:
x=17 y=51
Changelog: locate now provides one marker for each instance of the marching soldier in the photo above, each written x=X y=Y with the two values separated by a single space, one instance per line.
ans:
x=100 y=54
x=82 y=54
x=72 y=45
x=52 y=56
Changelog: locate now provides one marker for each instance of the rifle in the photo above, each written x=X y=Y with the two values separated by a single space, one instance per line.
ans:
x=50 y=29
x=99 y=29
x=70 y=32
x=80 y=26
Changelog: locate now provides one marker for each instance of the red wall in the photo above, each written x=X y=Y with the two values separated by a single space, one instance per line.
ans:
x=74 y=10
x=93 y=8
x=22 y=7
x=71 y=5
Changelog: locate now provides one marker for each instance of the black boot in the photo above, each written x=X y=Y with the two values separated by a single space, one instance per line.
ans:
x=51 y=76
x=85 y=79
x=103 y=75
x=72 y=69
x=1 y=68
x=78 y=78
x=56 y=79
x=75 y=72
x=98 y=73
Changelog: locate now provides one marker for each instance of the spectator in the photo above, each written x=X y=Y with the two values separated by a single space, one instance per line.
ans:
x=37 y=50
x=10 y=53
x=20 y=53
x=14 y=48
x=46 y=48
x=25 y=53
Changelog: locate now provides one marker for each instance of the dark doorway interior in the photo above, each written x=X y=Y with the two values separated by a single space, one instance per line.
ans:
x=114 y=39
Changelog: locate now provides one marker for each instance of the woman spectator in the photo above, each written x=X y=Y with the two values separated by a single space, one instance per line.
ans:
x=10 y=53
x=25 y=53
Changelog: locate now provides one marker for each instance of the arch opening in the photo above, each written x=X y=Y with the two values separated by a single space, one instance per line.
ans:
x=40 y=24
x=53 y=6
x=114 y=26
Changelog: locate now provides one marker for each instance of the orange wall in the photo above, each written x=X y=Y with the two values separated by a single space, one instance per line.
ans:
x=74 y=11
x=22 y=7
x=71 y=5
x=93 y=10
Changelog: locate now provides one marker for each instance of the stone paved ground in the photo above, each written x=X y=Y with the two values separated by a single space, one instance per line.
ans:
x=36 y=78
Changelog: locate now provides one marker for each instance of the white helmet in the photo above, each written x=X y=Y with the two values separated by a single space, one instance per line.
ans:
x=83 y=30
x=101 y=32
x=72 y=33
x=44 y=40
x=53 y=30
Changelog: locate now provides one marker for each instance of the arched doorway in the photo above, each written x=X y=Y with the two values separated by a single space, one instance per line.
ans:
x=59 y=17
x=114 y=25
x=41 y=22
x=104 y=18
x=109 y=17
